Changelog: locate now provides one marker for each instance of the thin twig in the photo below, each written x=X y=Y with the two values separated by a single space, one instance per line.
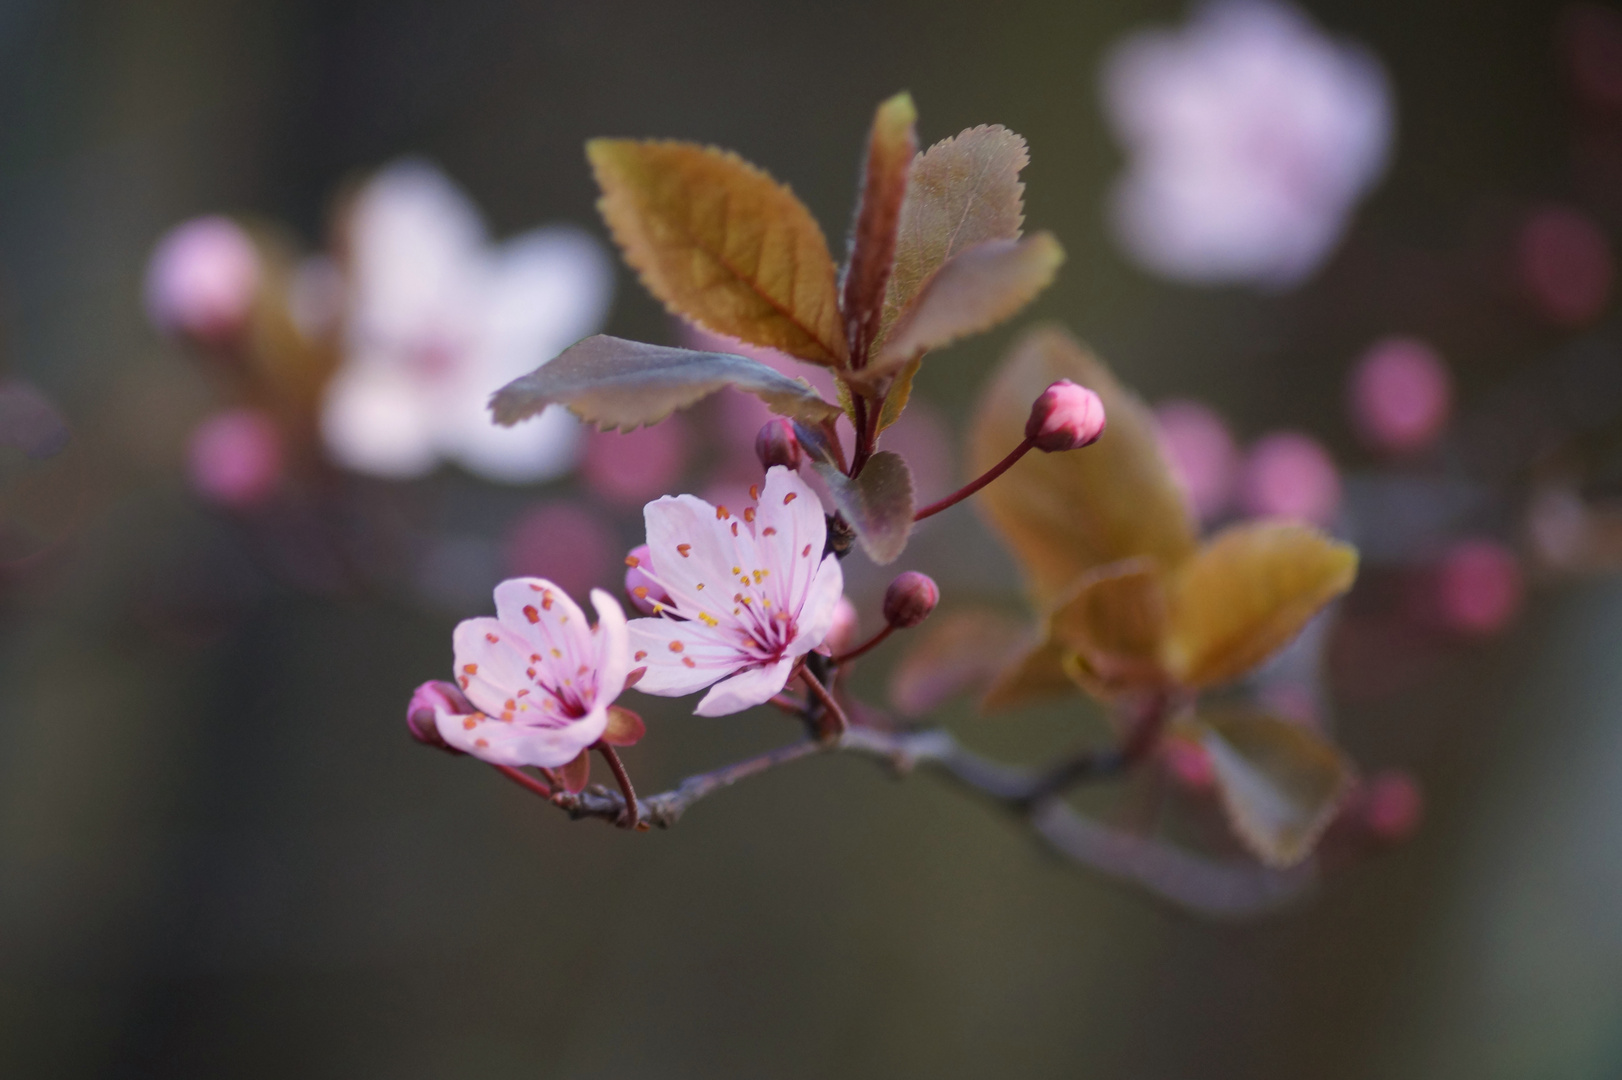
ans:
x=975 y=485
x=839 y=722
x=870 y=643
x=524 y=780
x=623 y=779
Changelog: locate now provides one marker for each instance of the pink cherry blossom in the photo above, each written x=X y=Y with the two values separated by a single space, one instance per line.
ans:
x=539 y=676
x=1065 y=416
x=1250 y=135
x=437 y=318
x=1400 y=395
x=235 y=457
x=202 y=280
x=1290 y=475
x=752 y=592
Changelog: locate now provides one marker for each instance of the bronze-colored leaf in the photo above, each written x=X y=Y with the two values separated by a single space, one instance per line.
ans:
x=625 y=728
x=615 y=383
x=577 y=773
x=723 y=244
x=975 y=290
x=877 y=504
x=900 y=392
x=1280 y=782
x=958 y=652
x=1247 y=594
x=963 y=191
x=1063 y=514
x=1035 y=673
x=890 y=150
x=1114 y=623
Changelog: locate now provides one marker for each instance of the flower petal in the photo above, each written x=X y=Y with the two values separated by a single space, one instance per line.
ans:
x=491 y=662
x=816 y=615
x=750 y=687
x=375 y=420
x=613 y=659
x=681 y=657
x=692 y=550
x=502 y=743
x=790 y=533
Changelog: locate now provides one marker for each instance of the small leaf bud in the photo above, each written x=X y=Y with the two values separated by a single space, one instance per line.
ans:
x=909 y=599
x=1065 y=417
x=646 y=594
x=429 y=700
x=776 y=444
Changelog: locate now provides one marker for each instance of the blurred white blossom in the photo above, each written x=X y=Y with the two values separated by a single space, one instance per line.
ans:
x=1250 y=134
x=437 y=319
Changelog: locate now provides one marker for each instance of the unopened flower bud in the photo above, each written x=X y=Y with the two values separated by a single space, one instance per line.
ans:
x=909 y=599
x=431 y=699
x=776 y=444
x=646 y=594
x=1065 y=417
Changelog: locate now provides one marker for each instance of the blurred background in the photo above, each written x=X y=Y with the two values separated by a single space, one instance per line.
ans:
x=220 y=853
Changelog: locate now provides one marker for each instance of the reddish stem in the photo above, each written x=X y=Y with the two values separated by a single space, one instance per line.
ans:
x=866 y=645
x=829 y=731
x=621 y=777
x=524 y=780
x=975 y=485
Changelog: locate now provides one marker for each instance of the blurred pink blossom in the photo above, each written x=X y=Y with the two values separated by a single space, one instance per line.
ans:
x=842 y=635
x=1188 y=763
x=1400 y=395
x=1479 y=587
x=202 y=279
x=1391 y=805
x=438 y=319
x=629 y=468
x=236 y=458
x=1290 y=475
x=1250 y=135
x=1201 y=452
x=565 y=542
x=1565 y=265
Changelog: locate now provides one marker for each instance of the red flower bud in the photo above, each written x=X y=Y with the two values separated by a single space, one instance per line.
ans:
x=776 y=444
x=643 y=591
x=1065 y=417
x=909 y=599
x=430 y=699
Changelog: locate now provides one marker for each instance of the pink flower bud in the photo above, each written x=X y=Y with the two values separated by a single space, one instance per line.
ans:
x=776 y=444
x=1479 y=587
x=642 y=590
x=909 y=599
x=1392 y=805
x=1065 y=417
x=1290 y=475
x=842 y=635
x=1400 y=395
x=429 y=700
x=236 y=458
x=1188 y=763
x=1202 y=453
x=202 y=279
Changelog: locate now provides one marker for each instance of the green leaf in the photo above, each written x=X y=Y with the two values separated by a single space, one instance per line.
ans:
x=1248 y=592
x=1280 y=782
x=615 y=383
x=962 y=191
x=890 y=150
x=974 y=291
x=723 y=244
x=877 y=504
x=1063 y=514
